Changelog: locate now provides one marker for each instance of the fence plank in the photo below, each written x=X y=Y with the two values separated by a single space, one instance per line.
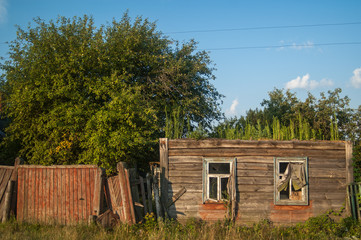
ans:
x=7 y=205
x=149 y=191
x=143 y=195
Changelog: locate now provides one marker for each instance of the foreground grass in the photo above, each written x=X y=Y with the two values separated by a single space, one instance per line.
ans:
x=322 y=227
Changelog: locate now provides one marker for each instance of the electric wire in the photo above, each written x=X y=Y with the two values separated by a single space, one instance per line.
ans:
x=270 y=27
x=264 y=27
x=282 y=46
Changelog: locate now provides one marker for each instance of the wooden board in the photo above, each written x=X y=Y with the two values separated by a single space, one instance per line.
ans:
x=233 y=152
x=223 y=143
x=6 y=173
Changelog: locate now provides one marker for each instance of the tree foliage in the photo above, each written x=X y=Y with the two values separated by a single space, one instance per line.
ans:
x=76 y=93
x=285 y=117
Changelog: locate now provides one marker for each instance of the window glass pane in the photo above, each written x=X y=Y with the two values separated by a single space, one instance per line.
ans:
x=283 y=167
x=224 y=182
x=296 y=195
x=219 y=168
x=213 y=188
x=285 y=194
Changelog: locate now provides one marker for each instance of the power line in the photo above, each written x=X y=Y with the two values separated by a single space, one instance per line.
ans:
x=307 y=45
x=265 y=27
x=258 y=28
x=283 y=46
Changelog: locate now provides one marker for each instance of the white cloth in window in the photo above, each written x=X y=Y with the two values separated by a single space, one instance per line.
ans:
x=296 y=172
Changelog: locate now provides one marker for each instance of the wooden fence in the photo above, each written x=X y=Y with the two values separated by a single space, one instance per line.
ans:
x=61 y=194
x=8 y=177
x=354 y=198
x=78 y=193
x=131 y=195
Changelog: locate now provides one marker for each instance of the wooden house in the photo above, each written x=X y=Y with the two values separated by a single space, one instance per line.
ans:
x=283 y=181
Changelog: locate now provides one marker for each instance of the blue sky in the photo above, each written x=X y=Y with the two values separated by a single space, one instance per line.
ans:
x=244 y=75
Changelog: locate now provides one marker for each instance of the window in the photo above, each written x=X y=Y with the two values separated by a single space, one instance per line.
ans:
x=291 y=181
x=218 y=179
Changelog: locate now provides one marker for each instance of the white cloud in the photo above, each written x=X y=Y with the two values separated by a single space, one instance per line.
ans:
x=232 y=109
x=296 y=46
x=356 y=78
x=3 y=11
x=305 y=83
x=308 y=44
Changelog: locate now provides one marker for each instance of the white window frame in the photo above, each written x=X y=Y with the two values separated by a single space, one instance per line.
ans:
x=278 y=175
x=207 y=176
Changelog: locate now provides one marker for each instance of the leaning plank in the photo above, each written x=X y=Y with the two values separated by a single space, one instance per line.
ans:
x=7 y=202
x=176 y=197
x=125 y=189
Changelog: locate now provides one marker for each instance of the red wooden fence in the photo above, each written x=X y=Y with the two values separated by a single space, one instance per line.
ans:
x=59 y=194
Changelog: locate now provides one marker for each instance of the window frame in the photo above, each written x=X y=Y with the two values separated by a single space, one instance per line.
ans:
x=277 y=200
x=207 y=175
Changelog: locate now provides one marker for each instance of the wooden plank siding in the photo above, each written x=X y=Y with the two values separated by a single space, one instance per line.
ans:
x=59 y=194
x=328 y=172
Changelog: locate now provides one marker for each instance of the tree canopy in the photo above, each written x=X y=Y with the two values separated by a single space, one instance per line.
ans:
x=285 y=117
x=77 y=93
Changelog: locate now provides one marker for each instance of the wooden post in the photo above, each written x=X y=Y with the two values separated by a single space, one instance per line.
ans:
x=98 y=191
x=349 y=167
x=349 y=171
x=143 y=195
x=8 y=193
x=163 y=153
x=149 y=190
x=156 y=198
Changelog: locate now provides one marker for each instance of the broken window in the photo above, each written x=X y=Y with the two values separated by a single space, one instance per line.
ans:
x=218 y=175
x=291 y=181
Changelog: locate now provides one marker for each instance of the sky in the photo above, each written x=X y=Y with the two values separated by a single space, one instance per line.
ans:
x=256 y=46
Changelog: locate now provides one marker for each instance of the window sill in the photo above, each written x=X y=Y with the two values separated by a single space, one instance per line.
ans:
x=291 y=203
x=210 y=201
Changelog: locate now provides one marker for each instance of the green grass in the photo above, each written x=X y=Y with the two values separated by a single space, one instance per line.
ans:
x=322 y=227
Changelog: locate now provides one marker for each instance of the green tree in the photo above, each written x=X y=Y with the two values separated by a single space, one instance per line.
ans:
x=279 y=105
x=287 y=117
x=80 y=94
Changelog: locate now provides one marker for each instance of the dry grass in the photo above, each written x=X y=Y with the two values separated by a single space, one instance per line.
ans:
x=322 y=227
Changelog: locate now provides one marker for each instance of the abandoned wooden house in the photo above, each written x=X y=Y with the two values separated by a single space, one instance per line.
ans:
x=283 y=181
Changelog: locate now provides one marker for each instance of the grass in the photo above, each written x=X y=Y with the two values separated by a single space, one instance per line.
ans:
x=321 y=227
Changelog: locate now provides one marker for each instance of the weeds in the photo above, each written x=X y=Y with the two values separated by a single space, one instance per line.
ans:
x=321 y=227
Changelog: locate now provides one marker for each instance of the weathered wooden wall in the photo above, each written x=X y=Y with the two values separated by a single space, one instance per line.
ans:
x=7 y=174
x=61 y=194
x=329 y=171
